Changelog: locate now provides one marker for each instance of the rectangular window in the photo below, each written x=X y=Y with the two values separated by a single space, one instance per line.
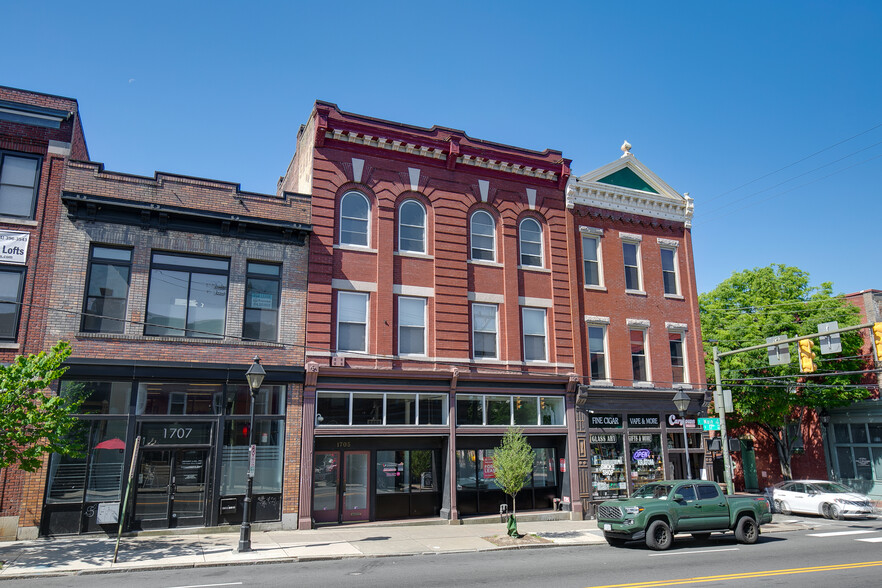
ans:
x=269 y=437
x=187 y=296
x=597 y=352
x=262 y=289
x=352 y=321
x=678 y=362
x=534 y=334
x=631 y=252
x=11 y=286
x=411 y=326
x=469 y=410
x=19 y=178
x=638 y=355
x=505 y=410
x=591 y=260
x=669 y=270
x=107 y=290
x=379 y=408
x=484 y=331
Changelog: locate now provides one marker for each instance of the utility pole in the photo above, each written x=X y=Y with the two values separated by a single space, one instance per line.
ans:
x=721 y=410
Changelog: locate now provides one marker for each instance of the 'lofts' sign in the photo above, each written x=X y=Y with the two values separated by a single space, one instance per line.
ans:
x=14 y=247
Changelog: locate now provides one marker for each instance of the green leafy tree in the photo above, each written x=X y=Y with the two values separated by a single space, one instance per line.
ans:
x=764 y=302
x=32 y=421
x=513 y=463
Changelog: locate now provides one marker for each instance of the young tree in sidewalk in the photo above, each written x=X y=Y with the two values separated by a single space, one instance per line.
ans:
x=33 y=422
x=513 y=464
x=773 y=401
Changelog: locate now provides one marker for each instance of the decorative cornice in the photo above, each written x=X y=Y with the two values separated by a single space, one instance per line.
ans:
x=627 y=200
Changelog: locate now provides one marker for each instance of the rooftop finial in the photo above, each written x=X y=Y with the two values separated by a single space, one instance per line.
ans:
x=626 y=149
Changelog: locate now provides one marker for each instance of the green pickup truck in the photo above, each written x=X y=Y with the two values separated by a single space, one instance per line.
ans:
x=657 y=511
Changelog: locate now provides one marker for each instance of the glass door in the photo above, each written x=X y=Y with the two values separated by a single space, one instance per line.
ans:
x=188 y=488
x=356 y=485
x=171 y=488
x=326 y=481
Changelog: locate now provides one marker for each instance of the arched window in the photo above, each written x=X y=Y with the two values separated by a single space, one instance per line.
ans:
x=355 y=213
x=412 y=227
x=483 y=236
x=530 y=234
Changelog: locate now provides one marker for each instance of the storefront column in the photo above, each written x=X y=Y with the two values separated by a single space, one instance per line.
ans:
x=307 y=447
x=571 y=459
x=448 y=500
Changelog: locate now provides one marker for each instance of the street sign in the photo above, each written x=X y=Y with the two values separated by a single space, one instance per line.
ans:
x=830 y=343
x=252 y=460
x=709 y=424
x=778 y=354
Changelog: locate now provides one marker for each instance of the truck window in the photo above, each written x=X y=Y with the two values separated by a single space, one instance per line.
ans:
x=687 y=492
x=706 y=491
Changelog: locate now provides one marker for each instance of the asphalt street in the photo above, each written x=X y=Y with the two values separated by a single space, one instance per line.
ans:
x=842 y=553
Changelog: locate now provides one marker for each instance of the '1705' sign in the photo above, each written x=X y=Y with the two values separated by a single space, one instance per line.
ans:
x=176 y=433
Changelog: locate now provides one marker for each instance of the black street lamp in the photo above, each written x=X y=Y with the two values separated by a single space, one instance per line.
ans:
x=681 y=401
x=254 y=376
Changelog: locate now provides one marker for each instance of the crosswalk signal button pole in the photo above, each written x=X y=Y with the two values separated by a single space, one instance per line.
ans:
x=806 y=356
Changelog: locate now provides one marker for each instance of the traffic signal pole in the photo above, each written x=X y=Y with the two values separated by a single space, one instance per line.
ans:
x=730 y=488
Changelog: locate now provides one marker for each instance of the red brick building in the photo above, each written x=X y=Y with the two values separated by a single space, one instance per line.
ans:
x=37 y=133
x=635 y=311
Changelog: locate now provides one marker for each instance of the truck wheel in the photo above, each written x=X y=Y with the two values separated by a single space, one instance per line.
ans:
x=701 y=536
x=614 y=541
x=746 y=531
x=659 y=536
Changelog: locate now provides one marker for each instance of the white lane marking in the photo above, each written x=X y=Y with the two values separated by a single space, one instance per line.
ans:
x=871 y=540
x=690 y=552
x=209 y=585
x=839 y=533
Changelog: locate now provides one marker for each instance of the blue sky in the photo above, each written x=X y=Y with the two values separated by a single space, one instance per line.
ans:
x=768 y=113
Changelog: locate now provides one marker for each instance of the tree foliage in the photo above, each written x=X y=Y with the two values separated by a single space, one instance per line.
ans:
x=513 y=464
x=753 y=305
x=34 y=422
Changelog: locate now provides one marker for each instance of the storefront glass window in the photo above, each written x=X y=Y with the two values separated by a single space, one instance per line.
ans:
x=529 y=411
x=433 y=409
x=608 y=465
x=846 y=464
x=875 y=433
x=675 y=440
x=332 y=409
x=859 y=433
x=106 y=461
x=100 y=397
x=67 y=475
x=877 y=461
x=646 y=459
x=525 y=410
x=268 y=400
x=270 y=438
x=367 y=409
x=499 y=410
x=552 y=410
x=469 y=410
x=544 y=467
x=401 y=409
x=179 y=398
x=840 y=433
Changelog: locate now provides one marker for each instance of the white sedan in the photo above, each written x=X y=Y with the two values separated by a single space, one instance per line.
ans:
x=829 y=499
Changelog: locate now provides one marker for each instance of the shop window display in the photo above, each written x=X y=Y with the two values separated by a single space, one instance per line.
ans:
x=646 y=459
x=608 y=466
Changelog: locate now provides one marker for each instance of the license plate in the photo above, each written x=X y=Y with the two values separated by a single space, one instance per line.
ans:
x=607 y=527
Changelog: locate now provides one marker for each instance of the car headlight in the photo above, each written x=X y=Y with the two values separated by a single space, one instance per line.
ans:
x=840 y=500
x=632 y=510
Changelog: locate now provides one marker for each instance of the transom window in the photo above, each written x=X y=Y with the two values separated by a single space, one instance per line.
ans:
x=107 y=290
x=354 y=219
x=352 y=321
x=262 y=288
x=483 y=236
x=19 y=178
x=531 y=243
x=484 y=330
x=412 y=227
x=506 y=410
x=187 y=296
x=380 y=408
x=411 y=326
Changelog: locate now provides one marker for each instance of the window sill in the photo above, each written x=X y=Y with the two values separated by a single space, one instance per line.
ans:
x=359 y=248
x=675 y=297
x=532 y=268
x=643 y=384
x=487 y=360
x=10 y=345
x=485 y=262
x=601 y=383
x=683 y=386
x=636 y=292
x=12 y=220
x=595 y=288
x=414 y=254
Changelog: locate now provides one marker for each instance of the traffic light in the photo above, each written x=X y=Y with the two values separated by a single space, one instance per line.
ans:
x=806 y=356
x=877 y=340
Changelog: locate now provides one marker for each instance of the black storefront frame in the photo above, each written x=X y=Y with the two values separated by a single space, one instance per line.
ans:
x=267 y=507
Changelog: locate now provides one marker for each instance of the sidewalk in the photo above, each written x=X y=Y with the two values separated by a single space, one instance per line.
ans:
x=94 y=554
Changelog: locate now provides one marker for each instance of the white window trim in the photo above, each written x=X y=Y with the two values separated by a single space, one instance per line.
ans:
x=425 y=227
x=643 y=327
x=340 y=221
x=674 y=249
x=604 y=325
x=521 y=243
x=680 y=329
x=636 y=241
x=425 y=327
x=544 y=312
x=495 y=331
x=367 y=317
x=471 y=237
x=599 y=241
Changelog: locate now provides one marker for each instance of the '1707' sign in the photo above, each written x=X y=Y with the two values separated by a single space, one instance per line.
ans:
x=176 y=433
